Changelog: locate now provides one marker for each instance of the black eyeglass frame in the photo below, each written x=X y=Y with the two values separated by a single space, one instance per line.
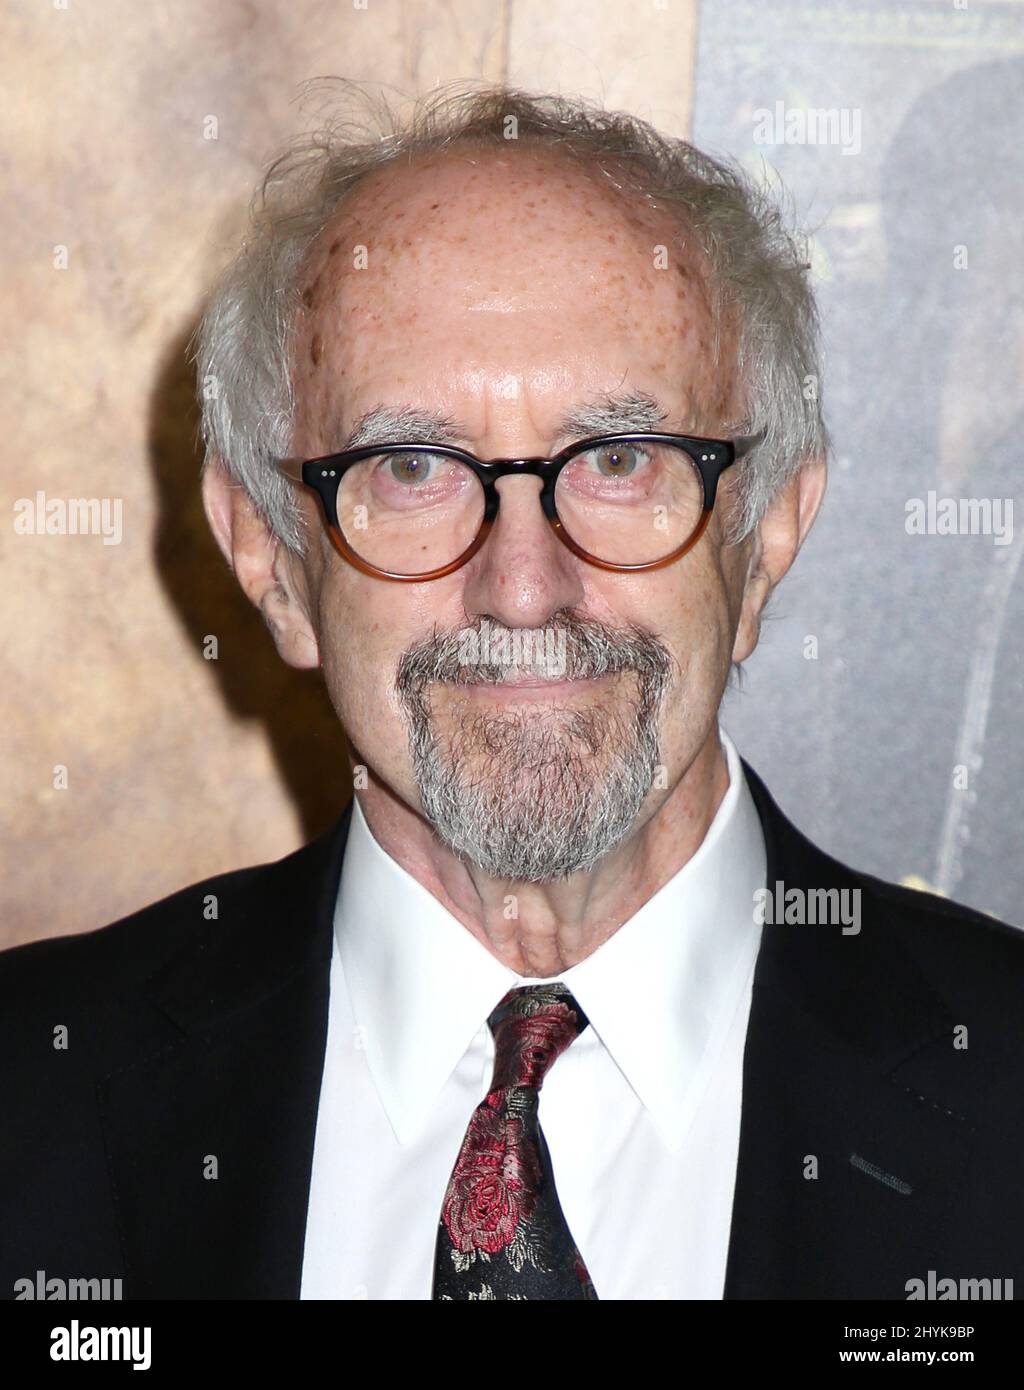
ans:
x=710 y=457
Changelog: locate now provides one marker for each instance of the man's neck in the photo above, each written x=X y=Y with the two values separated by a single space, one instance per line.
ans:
x=540 y=930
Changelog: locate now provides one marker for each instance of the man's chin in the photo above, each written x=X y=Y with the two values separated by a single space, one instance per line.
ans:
x=532 y=794
x=530 y=832
x=536 y=854
x=551 y=741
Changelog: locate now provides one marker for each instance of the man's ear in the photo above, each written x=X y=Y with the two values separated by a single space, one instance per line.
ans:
x=270 y=575
x=776 y=542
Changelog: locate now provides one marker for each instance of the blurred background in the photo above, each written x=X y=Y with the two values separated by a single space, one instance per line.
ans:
x=883 y=706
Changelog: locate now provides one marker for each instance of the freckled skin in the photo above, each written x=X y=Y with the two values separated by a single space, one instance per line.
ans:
x=503 y=288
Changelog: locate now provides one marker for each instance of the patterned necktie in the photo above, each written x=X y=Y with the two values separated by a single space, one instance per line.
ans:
x=502 y=1233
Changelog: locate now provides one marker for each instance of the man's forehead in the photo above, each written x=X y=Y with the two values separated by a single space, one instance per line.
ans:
x=570 y=277
x=479 y=205
x=599 y=285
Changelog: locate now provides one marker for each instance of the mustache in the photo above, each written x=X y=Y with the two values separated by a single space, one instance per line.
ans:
x=486 y=652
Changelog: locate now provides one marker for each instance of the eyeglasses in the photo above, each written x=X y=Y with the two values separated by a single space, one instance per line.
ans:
x=623 y=502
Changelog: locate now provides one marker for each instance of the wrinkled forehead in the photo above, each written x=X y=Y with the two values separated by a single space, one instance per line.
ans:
x=476 y=221
x=486 y=249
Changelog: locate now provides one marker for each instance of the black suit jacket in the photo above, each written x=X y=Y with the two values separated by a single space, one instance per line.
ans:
x=190 y=1039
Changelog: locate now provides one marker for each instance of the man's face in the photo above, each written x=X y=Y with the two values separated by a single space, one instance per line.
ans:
x=505 y=291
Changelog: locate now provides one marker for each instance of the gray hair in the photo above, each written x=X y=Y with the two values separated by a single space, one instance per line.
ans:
x=756 y=264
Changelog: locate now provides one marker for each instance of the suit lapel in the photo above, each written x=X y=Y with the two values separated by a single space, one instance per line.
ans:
x=209 y=1138
x=846 y=1075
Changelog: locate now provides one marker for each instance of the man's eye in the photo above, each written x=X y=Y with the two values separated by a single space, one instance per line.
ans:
x=616 y=460
x=416 y=468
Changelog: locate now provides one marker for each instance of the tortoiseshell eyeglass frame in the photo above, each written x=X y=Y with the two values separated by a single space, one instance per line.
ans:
x=710 y=457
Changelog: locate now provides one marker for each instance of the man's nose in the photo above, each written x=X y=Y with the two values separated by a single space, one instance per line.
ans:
x=523 y=574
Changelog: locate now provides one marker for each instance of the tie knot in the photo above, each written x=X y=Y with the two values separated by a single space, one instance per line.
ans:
x=532 y=1026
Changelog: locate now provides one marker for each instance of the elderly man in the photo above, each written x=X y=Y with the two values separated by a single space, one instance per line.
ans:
x=513 y=428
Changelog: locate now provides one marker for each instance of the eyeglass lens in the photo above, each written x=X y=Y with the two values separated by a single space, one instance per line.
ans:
x=412 y=512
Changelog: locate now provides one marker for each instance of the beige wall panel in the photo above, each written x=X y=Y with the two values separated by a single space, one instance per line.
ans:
x=177 y=767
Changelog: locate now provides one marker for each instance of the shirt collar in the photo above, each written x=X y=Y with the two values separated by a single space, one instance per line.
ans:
x=660 y=993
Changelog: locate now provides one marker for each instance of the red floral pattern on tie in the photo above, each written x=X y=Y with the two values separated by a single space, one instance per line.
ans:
x=494 y=1183
x=500 y=1201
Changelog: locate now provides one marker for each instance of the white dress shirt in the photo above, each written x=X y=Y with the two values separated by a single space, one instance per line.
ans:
x=641 y=1113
